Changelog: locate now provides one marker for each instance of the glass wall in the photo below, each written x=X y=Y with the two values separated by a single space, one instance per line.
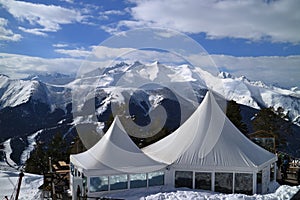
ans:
x=184 y=179
x=72 y=169
x=203 y=180
x=223 y=182
x=272 y=172
x=243 y=183
x=98 y=184
x=118 y=182
x=138 y=180
x=259 y=182
x=156 y=178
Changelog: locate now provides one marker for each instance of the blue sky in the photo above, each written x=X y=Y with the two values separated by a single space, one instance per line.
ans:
x=258 y=39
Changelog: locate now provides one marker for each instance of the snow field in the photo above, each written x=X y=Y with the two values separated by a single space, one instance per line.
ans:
x=31 y=183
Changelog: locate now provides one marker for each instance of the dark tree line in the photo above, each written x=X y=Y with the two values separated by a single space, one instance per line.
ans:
x=274 y=122
x=233 y=112
x=271 y=120
x=57 y=149
x=267 y=119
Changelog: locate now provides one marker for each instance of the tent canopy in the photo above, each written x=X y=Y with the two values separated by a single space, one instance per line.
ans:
x=209 y=141
x=115 y=153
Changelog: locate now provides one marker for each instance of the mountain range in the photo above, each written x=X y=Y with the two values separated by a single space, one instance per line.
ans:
x=36 y=108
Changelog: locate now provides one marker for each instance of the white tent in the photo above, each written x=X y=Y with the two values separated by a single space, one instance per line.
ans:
x=209 y=142
x=114 y=154
x=205 y=152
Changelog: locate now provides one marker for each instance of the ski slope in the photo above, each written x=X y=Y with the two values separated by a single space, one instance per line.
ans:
x=29 y=186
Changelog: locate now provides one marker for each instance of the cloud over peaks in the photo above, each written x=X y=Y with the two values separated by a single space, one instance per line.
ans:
x=277 y=21
x=7 y=34
x=44 y=18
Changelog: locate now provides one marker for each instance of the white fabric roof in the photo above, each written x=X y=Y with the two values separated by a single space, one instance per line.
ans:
x=115 y=153
x=209 y=141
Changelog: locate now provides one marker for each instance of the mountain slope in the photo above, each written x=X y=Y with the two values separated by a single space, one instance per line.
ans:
x=31 y=106
x=258 y=95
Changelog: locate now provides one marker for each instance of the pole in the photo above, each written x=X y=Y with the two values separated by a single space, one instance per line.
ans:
x=53 y=195
x=19 y=185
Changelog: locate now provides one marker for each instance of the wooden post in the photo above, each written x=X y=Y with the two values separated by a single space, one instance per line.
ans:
x=19 y=185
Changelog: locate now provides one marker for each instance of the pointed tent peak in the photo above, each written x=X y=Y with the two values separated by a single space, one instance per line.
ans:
x=171 y=147
x=116 y=128
x=117 y=122
x=117 y=135
x=207 y=139
x=213 y=95
x=219 y=99
x=115 y=153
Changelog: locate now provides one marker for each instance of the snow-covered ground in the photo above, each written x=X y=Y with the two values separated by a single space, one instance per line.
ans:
x=31 y=182
x=283 y=192
x=29 y=186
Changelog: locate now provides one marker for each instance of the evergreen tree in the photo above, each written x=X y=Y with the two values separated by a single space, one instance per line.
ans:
x=233 y=112
x=37 y=163
x=57 y=149
x=77 y=146
x=273 y=121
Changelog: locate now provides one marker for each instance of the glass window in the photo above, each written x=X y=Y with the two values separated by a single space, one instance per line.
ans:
x=243 y=183
x=156 y=178
x=84 y=179
x=272 y=172
x=259 y=182
x=98 y=184
x=203 y=180
x=223 y=182
x=118 y=182
x=184 y=179
x=138 y=180
x=72 y=168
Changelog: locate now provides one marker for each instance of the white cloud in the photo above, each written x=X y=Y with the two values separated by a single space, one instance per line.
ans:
x=35 y=31
x=113 y=12
x=59 y=45
x=20 y=66
x=281 y=70
x=46 y=18
x=278 y=21
x=7 y=34
x=76 y=53
x=108 y=53
x=68 y=1
x=104 y=15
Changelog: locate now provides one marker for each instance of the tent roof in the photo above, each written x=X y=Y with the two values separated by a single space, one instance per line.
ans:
x=209 y=141
x=115 y=153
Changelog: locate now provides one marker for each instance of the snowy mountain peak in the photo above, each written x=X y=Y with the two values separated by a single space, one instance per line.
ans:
x=3 y=75
x=16 y=92
x=295 y=89
x=52 y=78
x=255 y=94
x=224 y=75
x=3 y=80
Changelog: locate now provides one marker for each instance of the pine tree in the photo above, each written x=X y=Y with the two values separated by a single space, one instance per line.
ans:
x=77 y=146
x=233 y=112
x=274 y=122
x=37 y=162
x=58 y=149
